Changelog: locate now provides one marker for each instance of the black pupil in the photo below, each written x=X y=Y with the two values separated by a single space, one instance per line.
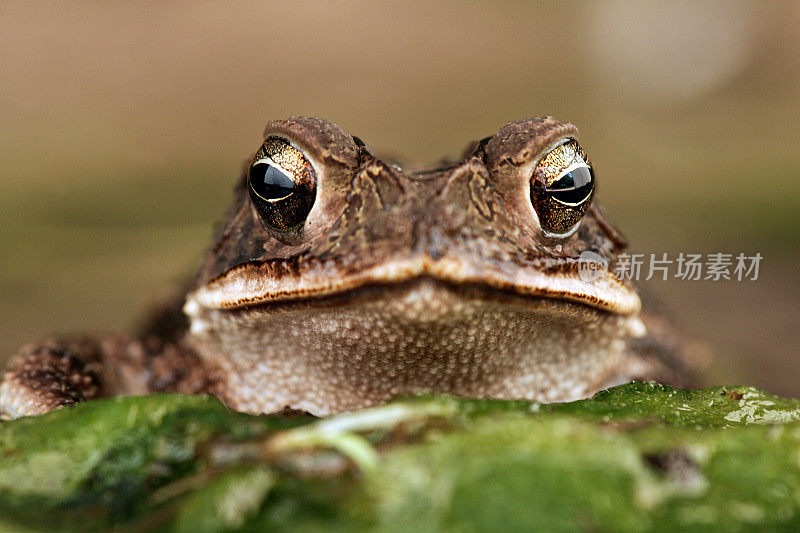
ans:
x=573 y=187
x=269 y=182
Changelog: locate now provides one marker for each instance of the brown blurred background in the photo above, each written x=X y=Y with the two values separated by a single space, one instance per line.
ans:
x=124 y=126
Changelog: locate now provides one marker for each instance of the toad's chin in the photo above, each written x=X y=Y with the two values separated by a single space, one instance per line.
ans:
x=363 y=347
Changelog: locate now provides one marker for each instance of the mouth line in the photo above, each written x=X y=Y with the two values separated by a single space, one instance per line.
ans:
x=256 y=284
x=391 y=289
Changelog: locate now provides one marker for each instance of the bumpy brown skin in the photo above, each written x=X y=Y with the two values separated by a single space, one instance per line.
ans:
x=428 y=256
x=57 y=373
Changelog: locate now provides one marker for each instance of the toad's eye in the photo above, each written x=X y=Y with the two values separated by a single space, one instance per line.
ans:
x=282 y=185
x=562 y=187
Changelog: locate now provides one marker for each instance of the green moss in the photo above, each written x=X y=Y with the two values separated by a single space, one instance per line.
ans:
x=639 y=457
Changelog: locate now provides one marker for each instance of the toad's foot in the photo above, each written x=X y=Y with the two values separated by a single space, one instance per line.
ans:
x=43 y=377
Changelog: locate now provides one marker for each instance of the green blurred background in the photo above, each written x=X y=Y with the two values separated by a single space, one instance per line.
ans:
x=124 y=126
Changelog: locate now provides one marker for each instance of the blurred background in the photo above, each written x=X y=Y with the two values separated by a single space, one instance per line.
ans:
x=124 y=127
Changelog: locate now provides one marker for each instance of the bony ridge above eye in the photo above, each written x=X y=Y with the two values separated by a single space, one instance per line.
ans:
x=282 y=185
x=562 y=188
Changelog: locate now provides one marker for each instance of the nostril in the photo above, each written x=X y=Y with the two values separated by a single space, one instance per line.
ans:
x=436 y=242
x=362 y=145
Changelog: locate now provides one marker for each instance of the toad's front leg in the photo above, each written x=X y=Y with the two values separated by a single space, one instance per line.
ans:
x=53 y=374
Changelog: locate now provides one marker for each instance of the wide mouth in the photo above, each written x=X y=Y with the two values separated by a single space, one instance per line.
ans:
x=287 y=282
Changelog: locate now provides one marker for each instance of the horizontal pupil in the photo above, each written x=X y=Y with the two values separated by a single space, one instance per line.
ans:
x=269 y=182
x=573 y=187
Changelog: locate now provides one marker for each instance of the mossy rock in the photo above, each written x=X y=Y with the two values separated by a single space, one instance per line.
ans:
x=639 y=457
